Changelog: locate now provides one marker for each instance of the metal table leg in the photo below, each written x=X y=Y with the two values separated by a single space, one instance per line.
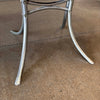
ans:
x=68 y=11
x=18 y=78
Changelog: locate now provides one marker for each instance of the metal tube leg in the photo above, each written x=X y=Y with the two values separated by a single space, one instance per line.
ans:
x=18 y=78
x=21 y=29
x=74 y=40
x=65 y=16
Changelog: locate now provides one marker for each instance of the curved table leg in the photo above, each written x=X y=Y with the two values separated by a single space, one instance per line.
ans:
x=74 y=40
x=20 y=31
x=65 y=16
x=18 y=78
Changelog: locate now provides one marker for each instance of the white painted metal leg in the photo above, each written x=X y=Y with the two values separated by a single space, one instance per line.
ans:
x=65 y=16
x=74 y=40
x=20 y=31
x=24 y=29
x=18 y=78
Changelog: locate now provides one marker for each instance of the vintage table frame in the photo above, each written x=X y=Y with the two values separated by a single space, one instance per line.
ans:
x=43 y=6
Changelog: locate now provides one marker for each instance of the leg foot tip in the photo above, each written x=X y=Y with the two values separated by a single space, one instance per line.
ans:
x=91 y=62
x=17 y=82
x=13 y=32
